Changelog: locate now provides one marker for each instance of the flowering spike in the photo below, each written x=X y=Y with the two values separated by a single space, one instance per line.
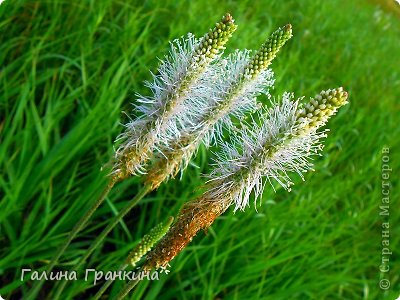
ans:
x=230 y=87
x=276 y=147
x=148 y=241
x=214 y=41
x=268 y=51
x=283 y=143
x=195 y=215
x=223 y=91
x=178 y=74
x=319 y=109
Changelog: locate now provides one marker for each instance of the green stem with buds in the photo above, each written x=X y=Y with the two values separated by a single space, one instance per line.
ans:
x=146 y=243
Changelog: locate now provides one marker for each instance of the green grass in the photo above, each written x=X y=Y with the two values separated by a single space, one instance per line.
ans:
x=69 y=70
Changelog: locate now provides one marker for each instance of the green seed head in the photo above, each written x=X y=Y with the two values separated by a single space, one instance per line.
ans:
x=319 y=109
x=268 y=51
x=148 y=241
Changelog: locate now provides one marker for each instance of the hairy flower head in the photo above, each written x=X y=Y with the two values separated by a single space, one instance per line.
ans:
x=212 y=105
x=229 y=87
x=187 y=61
x=285 y=142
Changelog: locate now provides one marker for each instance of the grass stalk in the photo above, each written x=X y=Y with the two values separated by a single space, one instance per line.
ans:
x=107 y=284
x=131 y=284
x=78 y=227
x=104 y=233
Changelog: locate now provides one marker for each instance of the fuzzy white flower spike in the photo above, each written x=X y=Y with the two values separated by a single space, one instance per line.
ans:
x=187 y=60
x=229 y=87
x=284 y=143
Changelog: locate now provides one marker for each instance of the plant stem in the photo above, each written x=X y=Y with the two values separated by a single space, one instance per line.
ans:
x=105 y=232
x=78 y=227
x=107 y=284
x=131 y=284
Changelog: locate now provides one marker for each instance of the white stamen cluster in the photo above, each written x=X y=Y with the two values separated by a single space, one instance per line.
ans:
x=223 y=91
x=228 y=88
x=171 y=87
x=171 y=73
x=149 y=127
x=285 y=142
x=226 y=91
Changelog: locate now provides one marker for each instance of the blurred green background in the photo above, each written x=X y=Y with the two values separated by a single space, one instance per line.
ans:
x=69 y=69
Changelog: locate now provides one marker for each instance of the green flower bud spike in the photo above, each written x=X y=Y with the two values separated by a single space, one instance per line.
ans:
x=319 y=109
x=148 y=241
x=214 y=41
x=268 y=51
